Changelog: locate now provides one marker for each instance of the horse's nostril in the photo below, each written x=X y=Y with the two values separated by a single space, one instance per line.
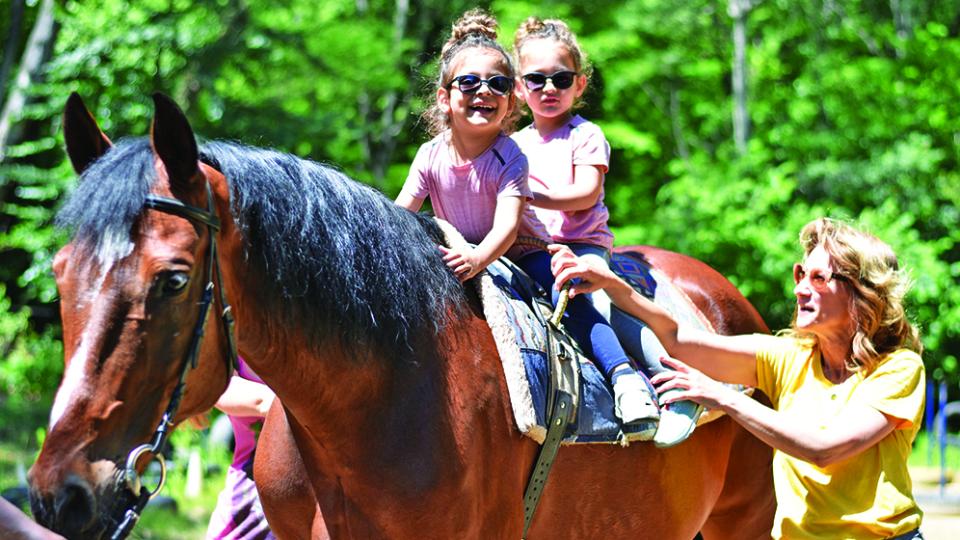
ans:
x=75 y=506
x=40 y=506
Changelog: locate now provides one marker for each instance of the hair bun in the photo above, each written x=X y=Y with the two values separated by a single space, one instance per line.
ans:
x=476 y=21
x=531 y=26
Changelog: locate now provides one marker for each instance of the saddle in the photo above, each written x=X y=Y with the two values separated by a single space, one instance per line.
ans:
x=540 y=359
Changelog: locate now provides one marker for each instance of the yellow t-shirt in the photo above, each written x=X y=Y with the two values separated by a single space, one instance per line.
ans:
x=868 y=495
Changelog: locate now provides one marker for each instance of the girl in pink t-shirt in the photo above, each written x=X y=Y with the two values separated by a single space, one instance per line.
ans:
x=476 y=178
x=568 y=158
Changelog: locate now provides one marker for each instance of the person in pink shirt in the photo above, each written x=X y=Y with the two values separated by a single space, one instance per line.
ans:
x=474 y=175
x=568 y=159
x=239 y=514
x=476 y=179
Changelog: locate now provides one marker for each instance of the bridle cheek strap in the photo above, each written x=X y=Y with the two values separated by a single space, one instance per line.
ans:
x=136 y=494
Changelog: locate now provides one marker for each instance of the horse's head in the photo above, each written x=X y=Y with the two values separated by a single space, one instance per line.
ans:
x=132 y=284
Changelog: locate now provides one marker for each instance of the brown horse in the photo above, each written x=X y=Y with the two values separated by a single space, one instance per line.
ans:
x=391 y=387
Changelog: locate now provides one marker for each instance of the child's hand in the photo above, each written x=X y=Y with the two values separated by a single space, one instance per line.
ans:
x=463 y=262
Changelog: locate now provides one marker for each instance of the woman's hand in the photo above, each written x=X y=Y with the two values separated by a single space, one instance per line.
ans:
x=566 y=266
x=463 y=262
x=689 y=383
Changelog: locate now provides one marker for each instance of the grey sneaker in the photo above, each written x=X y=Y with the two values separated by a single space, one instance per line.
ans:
x=677 y=421
x=633 y=400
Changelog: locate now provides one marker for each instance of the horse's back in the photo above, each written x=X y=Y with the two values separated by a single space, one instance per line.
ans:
x=723 y=305
x=717 y=482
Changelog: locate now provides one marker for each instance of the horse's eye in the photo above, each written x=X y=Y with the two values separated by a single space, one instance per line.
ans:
x=174 y=283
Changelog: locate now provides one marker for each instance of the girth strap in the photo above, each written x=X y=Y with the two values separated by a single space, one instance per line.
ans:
x=560 y=417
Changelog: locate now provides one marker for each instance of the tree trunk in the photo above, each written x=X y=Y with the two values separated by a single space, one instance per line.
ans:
x=379 y=144
x=738 y=10
x=390 y=127
x=12 y=46
x=903 y=16
x=206 y=63
x=37 y=52
x=676 y=123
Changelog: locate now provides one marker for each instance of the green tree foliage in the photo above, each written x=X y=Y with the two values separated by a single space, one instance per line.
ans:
x=853 y=113
x=852 y=109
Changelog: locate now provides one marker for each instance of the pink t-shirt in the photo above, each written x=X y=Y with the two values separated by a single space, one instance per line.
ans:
x=552 y=159
x=466 y=195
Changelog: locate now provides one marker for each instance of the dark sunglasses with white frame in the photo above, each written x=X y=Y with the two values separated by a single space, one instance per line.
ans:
x=499 y=85
x=535 y=81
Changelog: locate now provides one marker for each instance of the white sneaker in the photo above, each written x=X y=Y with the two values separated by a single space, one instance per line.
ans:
x=677 y=422
x=633 y=401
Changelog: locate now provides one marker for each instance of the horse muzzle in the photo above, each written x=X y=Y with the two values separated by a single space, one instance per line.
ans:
x=71 y=510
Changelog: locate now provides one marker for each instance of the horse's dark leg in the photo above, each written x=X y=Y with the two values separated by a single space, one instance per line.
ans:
x=284 y=488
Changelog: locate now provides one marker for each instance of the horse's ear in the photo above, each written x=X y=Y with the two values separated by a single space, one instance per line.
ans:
x=85 y=141
x=172 y=139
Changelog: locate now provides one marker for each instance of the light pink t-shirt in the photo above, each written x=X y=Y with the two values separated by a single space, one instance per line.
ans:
x=552 y=159
x=466 y=195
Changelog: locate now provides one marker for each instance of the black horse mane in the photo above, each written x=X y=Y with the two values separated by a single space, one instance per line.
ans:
x=110 y=194
x=333 y=258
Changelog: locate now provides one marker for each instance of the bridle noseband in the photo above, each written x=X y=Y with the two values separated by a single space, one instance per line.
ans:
x=135 y=494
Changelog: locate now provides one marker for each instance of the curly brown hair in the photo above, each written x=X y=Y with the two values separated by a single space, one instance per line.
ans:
x=878 y=285
x=475 y=29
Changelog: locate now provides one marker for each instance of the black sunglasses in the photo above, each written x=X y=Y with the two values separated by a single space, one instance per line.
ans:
x=561 y=80
x=500 y=85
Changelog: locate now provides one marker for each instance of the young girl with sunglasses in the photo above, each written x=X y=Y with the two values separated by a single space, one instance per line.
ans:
x=569 y=157
x=476 y=178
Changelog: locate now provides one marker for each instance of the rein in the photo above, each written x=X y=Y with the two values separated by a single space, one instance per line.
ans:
x=130 y=487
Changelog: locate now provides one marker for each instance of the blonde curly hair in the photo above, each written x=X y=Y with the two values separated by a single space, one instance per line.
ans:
x=475 y=29
x=878 y=286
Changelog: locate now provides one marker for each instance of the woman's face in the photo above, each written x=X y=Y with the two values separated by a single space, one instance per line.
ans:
x=823 y=305
x=478 y=111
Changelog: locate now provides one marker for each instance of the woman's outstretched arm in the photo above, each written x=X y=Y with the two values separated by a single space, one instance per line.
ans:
x=729 y=359
x=855 y=429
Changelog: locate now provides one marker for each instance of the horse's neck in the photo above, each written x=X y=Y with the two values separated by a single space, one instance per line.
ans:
x=405 y=432
x=363 y=410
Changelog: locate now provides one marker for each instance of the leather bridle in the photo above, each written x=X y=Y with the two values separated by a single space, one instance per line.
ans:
x=129 y=485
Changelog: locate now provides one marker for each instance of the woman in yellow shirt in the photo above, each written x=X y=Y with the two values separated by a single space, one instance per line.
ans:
x=846 y=382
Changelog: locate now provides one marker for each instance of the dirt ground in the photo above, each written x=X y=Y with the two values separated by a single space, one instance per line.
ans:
x=941 y=526
x=941 y=518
